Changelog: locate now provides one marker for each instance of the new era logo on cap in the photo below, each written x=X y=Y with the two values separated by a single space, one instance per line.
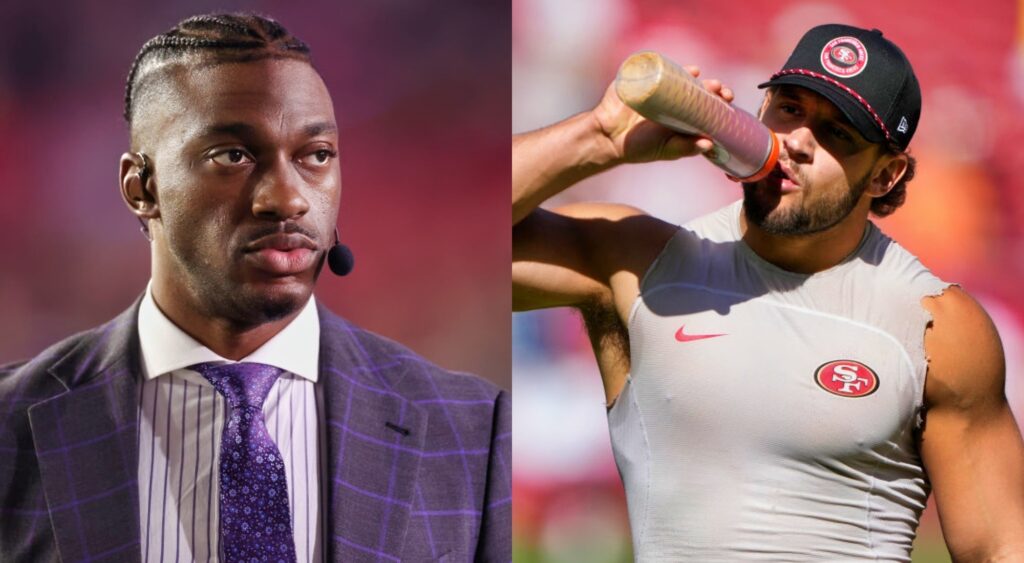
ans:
x=864 y=74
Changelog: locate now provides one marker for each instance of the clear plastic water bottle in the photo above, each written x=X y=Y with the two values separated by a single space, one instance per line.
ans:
x=662 y=91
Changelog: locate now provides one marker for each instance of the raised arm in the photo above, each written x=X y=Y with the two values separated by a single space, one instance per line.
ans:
x=571 y=256
x=547 y=161
x=971 y=445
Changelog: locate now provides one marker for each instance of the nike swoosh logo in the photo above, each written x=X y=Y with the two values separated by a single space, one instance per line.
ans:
x=683 y=337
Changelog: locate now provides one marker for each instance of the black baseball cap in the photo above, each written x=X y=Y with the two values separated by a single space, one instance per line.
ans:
x=864 y=74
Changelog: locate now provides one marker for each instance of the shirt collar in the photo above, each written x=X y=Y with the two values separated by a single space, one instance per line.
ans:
x=166 y=348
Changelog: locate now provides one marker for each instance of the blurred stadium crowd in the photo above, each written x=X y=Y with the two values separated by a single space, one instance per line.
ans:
x=964 y=215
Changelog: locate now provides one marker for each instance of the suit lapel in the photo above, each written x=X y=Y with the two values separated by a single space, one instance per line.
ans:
x=375 y=438
x=86 y=445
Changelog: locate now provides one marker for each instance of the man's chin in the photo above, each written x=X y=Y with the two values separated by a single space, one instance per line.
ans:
x=268 y=302
x=761 y=203
x=784 y=218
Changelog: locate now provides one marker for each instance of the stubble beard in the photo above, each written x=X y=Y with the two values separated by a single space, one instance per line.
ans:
x=761 y=209
x=219 y=296
x=244 y=306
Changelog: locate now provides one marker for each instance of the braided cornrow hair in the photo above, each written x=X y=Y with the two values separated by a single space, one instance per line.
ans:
x=221 y=37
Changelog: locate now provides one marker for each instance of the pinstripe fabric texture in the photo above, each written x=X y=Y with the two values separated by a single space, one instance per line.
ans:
x=417 y=458
x=181 y=417
x=179 y=453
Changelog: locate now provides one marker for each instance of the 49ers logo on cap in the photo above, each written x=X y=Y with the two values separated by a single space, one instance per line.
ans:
x=844 y=57
x=847 y=378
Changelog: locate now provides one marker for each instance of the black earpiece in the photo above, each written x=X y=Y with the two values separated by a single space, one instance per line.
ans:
x=144 y=177
x=144 y=169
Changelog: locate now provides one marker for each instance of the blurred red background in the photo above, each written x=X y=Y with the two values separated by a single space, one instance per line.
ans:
x=421 y=92
x=964 y=215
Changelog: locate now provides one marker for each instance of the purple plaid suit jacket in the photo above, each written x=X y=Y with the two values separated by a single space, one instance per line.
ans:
x=418 y=457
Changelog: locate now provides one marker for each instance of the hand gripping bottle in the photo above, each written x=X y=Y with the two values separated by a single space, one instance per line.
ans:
x=663 y=92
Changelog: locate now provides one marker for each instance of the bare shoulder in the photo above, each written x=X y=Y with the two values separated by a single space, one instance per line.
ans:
x=970 y=444
x=966 y=362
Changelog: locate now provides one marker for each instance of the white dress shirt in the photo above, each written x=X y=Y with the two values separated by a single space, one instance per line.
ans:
x=181 y=418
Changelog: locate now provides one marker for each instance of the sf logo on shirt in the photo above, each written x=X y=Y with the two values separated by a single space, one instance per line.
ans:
x=846 y=378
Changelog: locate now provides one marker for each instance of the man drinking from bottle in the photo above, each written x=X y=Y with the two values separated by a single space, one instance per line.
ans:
x=784 y=381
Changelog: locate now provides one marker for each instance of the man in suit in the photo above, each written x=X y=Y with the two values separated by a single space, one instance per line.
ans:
x=136 y=440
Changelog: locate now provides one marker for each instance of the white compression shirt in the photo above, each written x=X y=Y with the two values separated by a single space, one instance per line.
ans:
x=771 y=415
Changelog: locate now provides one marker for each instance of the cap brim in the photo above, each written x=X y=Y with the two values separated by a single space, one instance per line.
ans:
x=857 y=114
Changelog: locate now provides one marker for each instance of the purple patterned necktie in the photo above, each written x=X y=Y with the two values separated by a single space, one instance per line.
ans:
x=255 y=520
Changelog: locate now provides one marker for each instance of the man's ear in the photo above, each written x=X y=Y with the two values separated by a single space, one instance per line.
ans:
x=138 y=186
x=887 y=173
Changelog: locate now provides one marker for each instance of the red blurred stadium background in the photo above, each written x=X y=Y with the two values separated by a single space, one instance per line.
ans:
x=421 y=92
x=964 y=215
